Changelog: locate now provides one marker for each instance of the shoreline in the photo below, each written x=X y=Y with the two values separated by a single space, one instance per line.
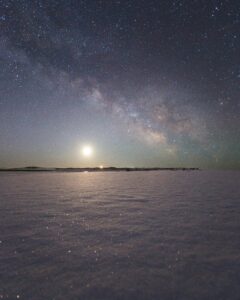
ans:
x=94 y=169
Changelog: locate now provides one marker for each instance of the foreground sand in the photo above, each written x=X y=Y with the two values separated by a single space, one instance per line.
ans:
x=137 y=235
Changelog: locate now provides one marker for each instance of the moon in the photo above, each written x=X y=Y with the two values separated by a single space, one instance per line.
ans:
x=87 y=151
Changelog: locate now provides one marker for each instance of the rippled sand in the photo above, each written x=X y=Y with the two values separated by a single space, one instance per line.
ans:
x=134 y=235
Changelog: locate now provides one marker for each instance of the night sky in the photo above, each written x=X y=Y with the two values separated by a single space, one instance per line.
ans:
x=145 y=83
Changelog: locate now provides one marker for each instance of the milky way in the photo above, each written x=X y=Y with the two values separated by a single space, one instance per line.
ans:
x=147 y=83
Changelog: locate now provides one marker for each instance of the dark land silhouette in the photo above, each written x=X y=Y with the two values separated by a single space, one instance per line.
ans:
x=92 y=169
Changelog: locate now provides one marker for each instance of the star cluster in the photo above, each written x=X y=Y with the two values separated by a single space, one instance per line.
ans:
x=149 y=83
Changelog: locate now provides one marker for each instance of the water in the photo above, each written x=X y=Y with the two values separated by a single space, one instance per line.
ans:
x=129 y=235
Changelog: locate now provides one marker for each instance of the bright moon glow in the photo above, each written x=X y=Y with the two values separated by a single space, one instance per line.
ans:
x=87 y=151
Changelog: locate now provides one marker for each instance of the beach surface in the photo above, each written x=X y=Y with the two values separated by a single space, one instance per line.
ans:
x=120 y=235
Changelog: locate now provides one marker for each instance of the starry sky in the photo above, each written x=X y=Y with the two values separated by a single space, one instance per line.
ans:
x=146 y=83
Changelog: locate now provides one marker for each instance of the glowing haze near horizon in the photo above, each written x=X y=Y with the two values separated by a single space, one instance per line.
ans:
x=144 y=83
